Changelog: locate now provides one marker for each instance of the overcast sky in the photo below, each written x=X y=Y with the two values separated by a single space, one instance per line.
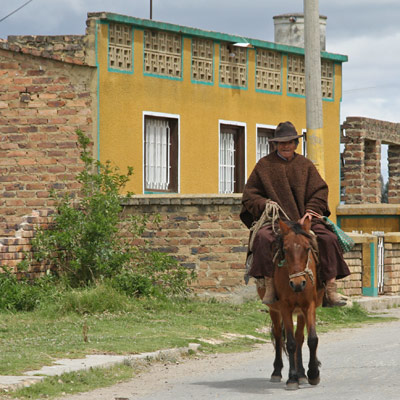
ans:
x=367 y=31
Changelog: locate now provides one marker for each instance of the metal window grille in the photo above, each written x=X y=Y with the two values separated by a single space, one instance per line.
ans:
x=381 y=260
x=262 y=146
x=227 y=163
x=157 y=147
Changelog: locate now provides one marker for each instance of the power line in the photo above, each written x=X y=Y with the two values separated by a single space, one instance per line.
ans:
x=11 y=13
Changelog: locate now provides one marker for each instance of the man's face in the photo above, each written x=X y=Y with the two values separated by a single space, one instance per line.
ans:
x=286 y=149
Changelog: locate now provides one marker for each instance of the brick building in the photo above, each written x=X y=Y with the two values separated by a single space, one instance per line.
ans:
x=46 y=93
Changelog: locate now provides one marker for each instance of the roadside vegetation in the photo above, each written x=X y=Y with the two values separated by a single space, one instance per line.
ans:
x=104 y=294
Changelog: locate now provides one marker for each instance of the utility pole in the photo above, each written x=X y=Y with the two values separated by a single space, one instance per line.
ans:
x=312 y=50
x=151 y=9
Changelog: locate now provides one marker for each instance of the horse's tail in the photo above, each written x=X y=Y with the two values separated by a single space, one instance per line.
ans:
x=283 y=336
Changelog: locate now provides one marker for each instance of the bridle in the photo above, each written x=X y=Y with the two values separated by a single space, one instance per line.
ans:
x=307 y=270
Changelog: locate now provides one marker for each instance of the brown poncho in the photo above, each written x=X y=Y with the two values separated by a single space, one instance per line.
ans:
x=295 y=185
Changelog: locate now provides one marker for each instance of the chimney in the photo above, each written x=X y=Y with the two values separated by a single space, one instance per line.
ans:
x=289 y=29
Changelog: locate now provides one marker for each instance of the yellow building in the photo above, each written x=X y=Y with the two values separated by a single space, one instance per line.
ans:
x=190 y=109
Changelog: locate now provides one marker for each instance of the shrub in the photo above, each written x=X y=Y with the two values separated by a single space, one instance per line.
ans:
x=153 y=274
x=23 y=294
x=85 y=245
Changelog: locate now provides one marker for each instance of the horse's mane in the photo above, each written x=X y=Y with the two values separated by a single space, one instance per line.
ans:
x=297 y=229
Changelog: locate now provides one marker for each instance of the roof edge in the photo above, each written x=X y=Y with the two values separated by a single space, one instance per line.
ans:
x=223 y=37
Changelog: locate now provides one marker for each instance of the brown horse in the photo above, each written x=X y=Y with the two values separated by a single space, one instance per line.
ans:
x=295 y=280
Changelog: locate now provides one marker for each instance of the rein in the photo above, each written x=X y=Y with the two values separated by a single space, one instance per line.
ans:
x=269 y=216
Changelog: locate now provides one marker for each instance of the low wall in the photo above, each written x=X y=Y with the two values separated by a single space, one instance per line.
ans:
x=204 y=233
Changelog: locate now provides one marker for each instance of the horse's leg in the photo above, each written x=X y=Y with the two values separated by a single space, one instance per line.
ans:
x=314 y=364
x=301 y=373
x=293 y=382
x=277 y=333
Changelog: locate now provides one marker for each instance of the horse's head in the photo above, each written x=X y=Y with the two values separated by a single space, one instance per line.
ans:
x=296 y=248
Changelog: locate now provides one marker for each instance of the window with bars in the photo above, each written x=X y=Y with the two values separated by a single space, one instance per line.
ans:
x=263 y=146
x=231 y=159
x=161 y=154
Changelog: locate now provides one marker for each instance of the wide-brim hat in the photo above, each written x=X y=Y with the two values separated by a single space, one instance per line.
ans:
x=285 y=132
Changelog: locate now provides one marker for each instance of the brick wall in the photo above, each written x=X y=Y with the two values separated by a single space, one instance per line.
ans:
x=362 y=154
x=68 y=48
x=352 y=284
x=392 y=263
x=42 y=103
x=204 y=233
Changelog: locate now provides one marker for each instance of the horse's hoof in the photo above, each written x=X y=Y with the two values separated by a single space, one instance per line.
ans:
x=275 y=378
x=292 y=385
x=314 y=381
x=303 y=380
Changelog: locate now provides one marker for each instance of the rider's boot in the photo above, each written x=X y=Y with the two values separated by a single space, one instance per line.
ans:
x=269 y=296
x=332 y=297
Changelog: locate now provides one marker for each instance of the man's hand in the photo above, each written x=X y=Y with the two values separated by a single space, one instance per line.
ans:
x=305 y=216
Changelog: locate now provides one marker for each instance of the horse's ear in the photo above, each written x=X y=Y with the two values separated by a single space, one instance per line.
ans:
x=284 y=228
x=307 y=225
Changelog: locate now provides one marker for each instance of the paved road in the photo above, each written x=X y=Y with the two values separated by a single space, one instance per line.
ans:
x=361 y=363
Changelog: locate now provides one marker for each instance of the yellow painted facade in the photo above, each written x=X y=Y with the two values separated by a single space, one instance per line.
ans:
x=125 y=97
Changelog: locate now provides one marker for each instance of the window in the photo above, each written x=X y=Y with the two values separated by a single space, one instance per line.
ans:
x=233 y=66
x=231 y=159
x=202 y=60
x=263 y=146
x=162 y=54
x=161 y=154
x=120 y=47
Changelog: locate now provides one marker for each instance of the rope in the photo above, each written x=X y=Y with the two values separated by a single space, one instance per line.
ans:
x=307 y=270
x=269 y=216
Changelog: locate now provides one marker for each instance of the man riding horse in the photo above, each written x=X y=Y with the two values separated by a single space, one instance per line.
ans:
x=292 y=182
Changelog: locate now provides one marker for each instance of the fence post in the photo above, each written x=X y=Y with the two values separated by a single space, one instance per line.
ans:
x=369 y=266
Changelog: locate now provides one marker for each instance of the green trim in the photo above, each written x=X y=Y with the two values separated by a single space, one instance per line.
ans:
x=370 y=291
x=98 y=87
x=173 y=78
x=255 y=78
x=144 y=23
x=191 y=67
x=120 y=71
x=373 y=289
x=233 y=86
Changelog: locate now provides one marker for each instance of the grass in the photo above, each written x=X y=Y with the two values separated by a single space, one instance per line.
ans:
x=75 y=382
x=31 y=340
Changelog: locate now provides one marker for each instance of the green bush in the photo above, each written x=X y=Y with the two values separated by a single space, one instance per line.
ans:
x=85 y=245
x=153 y=274
x=23 y=294
x=89 y=300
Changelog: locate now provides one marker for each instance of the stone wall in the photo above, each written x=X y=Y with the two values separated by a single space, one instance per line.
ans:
x=42 y=103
